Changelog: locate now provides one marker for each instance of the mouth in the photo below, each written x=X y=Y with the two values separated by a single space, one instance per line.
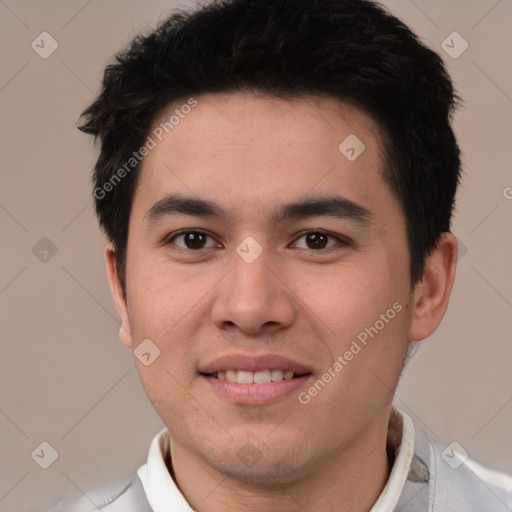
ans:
x=258 y=377
x=254 y=379
x=249 y=379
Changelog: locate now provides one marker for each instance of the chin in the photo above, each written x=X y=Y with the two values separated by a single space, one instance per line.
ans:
x=264 y=474
x=255 y=463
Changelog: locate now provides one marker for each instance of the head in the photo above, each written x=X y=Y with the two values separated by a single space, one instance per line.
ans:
x=276 y=179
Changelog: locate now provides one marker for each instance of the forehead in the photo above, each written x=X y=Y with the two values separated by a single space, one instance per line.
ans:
x=249 y=148
x=217 y=118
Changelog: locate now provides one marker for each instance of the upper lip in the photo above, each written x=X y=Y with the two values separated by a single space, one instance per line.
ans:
x=252 y=363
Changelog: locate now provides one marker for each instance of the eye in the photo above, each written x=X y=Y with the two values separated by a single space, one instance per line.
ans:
x=317 y=240
x=192 y=240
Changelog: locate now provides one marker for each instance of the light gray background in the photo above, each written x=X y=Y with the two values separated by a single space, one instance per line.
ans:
x=64 y=376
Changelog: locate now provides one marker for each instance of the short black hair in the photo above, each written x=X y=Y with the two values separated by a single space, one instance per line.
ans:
x=353 y=50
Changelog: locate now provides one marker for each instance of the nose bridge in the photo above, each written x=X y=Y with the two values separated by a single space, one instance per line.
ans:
x=252 y=296
x=251 y=277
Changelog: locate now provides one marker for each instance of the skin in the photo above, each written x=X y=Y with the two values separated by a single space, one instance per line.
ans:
x=249 y=153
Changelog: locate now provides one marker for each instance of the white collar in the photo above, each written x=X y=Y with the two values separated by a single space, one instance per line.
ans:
x=404 y=452
x=164 y=496
x=161 y=490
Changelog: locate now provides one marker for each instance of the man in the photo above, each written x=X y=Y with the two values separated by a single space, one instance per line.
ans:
x=276 y=181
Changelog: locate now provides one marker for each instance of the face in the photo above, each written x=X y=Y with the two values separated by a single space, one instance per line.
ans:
x=260 y=246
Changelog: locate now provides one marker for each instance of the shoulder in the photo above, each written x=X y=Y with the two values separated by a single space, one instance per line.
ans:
x=129 y=497
x=460 y=483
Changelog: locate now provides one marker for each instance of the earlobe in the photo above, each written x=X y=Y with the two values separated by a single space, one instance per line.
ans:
x=118 y=295
x=431 y=295
x=125 y=337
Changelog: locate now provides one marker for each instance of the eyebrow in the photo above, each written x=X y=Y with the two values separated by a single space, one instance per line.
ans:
x=337 y=207
x=332 y=206
x=177 y=204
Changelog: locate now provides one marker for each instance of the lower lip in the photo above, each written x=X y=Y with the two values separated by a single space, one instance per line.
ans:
x=255 y=394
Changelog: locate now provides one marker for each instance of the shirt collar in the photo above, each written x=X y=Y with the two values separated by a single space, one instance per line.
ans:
x=401 y=438
x=161 y=490
x=164 y=496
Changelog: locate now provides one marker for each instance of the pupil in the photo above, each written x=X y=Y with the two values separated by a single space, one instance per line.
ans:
x=316 y=240
x=194 y=240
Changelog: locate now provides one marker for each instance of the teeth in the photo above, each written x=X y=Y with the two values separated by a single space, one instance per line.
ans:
x=231 y=375
x=259 y=377
x=245 y=377
x=276 y=375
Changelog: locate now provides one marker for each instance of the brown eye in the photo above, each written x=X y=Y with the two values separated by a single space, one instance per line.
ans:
x=193 y=240
x=316 y=240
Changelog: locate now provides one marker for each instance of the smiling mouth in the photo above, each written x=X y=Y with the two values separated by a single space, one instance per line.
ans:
x=259 y=377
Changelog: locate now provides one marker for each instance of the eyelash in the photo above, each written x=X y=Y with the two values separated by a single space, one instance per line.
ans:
x=341 y=241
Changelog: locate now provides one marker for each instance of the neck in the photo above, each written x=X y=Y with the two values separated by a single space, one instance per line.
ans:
x=347 y=480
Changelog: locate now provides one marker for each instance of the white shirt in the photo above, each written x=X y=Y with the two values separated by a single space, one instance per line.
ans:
x=426 y=476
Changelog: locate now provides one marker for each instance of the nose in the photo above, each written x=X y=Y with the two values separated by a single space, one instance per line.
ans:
x=253 y=298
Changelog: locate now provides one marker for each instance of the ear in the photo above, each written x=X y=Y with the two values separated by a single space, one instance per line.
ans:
x=432 y=293
x=118 y=295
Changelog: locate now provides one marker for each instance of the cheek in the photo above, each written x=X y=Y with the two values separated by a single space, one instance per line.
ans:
x=364 y=317
x=161 y=297
x=160 y=309
x=163 y=309
x=349 y=298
